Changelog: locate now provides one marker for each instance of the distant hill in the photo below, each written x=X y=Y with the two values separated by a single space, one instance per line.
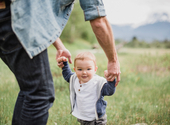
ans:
x=148 y=32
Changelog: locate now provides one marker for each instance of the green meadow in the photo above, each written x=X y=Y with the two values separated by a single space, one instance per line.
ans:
x=142 y=96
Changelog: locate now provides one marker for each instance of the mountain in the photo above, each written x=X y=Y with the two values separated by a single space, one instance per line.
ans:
x=148 y=32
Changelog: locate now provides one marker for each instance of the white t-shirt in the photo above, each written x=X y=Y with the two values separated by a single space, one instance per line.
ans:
x=86 y=98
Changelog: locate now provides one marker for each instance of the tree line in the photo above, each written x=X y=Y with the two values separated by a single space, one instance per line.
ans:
x=78 y=28
x=135 y=43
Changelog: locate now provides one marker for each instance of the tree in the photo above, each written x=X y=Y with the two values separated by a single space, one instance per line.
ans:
x=77 y=28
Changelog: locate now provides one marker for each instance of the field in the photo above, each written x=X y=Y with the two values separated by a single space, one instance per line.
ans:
x=142 y=96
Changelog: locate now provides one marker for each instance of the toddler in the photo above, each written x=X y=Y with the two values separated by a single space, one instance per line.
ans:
x=87 y=90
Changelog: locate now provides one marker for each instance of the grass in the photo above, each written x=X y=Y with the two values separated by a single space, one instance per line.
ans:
x=142 y=96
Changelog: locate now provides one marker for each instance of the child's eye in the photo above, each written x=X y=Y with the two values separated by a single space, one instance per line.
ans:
x=79 y=69
x=89 y=69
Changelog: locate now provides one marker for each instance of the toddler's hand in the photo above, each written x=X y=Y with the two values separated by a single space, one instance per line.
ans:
x=60 y=61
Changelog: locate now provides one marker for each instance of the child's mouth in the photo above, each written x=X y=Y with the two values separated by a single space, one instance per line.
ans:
x=84 y=77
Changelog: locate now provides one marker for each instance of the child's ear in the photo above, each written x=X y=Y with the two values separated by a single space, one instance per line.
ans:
x=74 y=69
x=96 y=68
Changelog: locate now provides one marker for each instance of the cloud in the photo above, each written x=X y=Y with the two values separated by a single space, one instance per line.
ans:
x=135 y=12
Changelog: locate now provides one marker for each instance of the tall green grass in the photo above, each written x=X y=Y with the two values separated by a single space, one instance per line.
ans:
x=142 y=96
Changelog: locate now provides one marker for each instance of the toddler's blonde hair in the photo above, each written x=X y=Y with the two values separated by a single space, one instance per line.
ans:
x=85 y=55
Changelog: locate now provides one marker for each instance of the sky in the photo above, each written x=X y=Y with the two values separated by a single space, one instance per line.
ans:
x=137 y=12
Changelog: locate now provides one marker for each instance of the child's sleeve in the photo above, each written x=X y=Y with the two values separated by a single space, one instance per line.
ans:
x=66 y=71
x=109 y=88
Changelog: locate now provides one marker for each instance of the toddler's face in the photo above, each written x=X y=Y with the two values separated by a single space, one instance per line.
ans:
x=85 y=69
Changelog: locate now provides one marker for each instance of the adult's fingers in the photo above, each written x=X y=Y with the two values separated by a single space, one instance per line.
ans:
x=58 y=54
x=117 y=80
x=69 y=59
x=110 y=77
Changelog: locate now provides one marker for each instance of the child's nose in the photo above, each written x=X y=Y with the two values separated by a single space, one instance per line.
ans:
x=84 y=72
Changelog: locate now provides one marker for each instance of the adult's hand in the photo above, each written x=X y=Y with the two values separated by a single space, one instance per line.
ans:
x=113 y=71
x=64 y=53
x=61 y=50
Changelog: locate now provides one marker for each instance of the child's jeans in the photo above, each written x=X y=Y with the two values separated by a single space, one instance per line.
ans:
x=100 y=121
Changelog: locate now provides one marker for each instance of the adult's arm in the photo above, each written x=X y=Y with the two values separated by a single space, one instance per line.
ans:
x=61 y=50
x=103 y=31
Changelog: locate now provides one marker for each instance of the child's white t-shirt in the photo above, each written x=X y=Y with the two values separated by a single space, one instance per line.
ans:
x=86 y=97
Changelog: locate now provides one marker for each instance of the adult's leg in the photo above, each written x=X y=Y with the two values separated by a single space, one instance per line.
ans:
x=36 y=87
x=33 y=75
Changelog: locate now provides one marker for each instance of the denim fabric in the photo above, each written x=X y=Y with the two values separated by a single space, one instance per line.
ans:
x=38 y=23
x=92 y=9
x=33 y=75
